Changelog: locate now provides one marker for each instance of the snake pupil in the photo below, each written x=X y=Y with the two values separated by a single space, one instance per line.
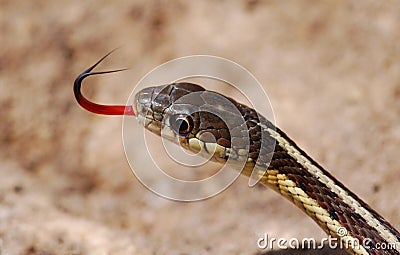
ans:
x=183 y=126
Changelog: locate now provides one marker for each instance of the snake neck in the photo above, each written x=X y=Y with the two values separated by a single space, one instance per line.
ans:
x=337 y=210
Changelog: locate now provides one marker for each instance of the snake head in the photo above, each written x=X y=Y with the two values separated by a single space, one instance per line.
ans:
x=197 y=119
x=156 y=108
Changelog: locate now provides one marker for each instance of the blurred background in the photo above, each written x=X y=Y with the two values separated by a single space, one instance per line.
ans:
x=331 y=70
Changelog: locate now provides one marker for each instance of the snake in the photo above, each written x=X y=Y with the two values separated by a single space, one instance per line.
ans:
x=279 y=163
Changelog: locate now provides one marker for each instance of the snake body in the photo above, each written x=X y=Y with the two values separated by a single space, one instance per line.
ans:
x=279 y=163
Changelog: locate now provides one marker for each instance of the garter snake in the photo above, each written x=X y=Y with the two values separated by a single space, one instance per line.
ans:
x=288 y=170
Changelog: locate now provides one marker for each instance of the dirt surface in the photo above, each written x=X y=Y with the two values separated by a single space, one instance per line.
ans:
x=330 y=68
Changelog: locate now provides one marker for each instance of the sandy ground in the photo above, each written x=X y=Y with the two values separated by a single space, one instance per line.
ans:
x=330 y=68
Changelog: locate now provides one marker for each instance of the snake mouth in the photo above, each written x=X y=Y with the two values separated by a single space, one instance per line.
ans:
x=142 y=102
x=153 y=120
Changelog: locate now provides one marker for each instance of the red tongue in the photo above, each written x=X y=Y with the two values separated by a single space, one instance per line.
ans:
x=99 y=108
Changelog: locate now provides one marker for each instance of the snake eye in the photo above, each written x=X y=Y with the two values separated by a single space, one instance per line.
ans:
x=181 y=124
